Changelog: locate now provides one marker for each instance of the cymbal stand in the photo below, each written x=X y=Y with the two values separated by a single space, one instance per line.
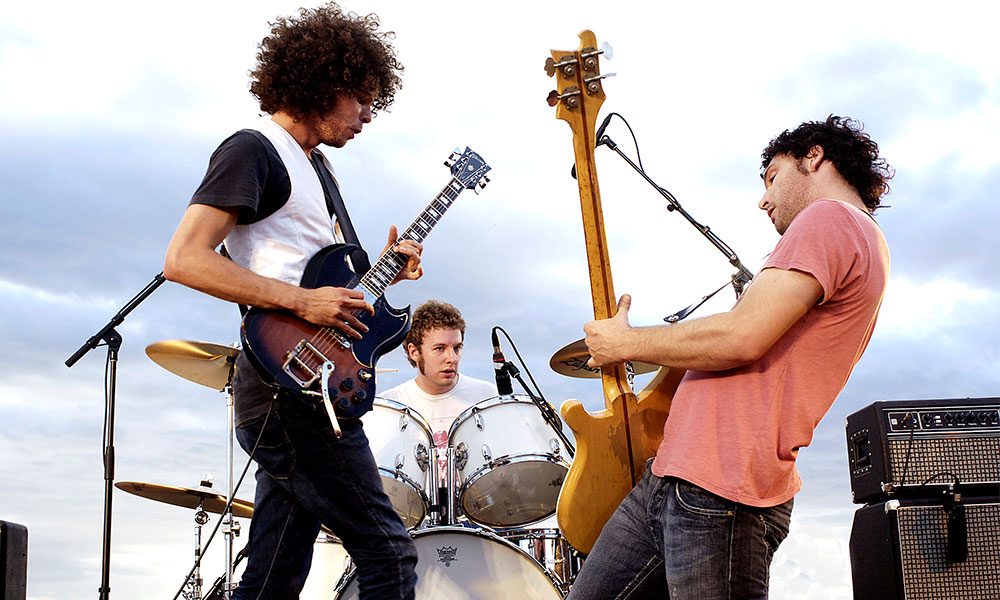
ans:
x=230 y=528
x=194 y=581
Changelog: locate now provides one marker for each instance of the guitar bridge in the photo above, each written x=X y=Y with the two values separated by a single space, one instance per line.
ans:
x=297 y=363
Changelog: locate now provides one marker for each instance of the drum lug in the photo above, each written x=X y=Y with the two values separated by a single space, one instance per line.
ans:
x=461 y=456
x=487 y=454
x=423 y=457
x=404 y=420
x=554 y=445
x=478 y=419
x=400 y=461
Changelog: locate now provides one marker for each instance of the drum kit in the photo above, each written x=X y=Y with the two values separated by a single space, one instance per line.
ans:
x=480 y=511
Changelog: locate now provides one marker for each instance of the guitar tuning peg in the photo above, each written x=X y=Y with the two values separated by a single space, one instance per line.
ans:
x=483 y=182
x=607 y=50
x=550 y=66
x=449 y=162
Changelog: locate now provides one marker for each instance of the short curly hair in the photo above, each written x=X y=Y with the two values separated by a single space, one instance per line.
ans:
x=430 y=315
x=845 y=145
x=306 y=62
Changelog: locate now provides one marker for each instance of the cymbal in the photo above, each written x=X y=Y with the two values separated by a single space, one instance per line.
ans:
x=201 y=362
x=209 y=498
x=572 y=360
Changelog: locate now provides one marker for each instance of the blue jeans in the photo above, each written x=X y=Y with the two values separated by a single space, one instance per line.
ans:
x=307 y=476
x=672 y=539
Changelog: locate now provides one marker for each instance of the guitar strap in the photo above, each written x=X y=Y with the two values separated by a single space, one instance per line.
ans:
x=335 y=204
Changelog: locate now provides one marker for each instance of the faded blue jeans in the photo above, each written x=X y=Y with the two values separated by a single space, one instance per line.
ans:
x=307 y=476
x=672 y=539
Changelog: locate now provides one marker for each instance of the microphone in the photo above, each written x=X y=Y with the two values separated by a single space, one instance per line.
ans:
x=600 y=134
x=504 y=387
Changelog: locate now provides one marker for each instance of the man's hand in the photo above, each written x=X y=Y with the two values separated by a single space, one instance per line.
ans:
x=606 y=339
x=335 y=307
x=408 y=248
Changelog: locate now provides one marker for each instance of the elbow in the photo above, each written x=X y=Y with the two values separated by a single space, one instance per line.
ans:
x=175 y=266
x=745 y=349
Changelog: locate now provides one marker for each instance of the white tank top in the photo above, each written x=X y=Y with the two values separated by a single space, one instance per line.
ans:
x=280 y=245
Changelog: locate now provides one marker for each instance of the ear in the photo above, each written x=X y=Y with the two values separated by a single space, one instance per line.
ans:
x=412 y=351
x=815 y=158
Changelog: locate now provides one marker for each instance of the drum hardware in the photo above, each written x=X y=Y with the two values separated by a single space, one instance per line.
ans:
x=461 y=455
x=487 y=455
x=211 y=365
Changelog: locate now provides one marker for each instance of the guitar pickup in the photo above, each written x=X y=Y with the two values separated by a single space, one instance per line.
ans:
x=297 y=363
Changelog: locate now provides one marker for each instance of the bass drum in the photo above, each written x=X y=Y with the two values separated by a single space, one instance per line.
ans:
x=456 y=563
x=329 y=562
x=401 y=441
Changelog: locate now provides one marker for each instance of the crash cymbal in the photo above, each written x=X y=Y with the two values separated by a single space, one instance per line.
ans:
x=209 y=498
x=572 y=360
x=201 y=362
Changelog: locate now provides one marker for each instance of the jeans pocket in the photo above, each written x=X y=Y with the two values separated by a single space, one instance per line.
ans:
x=267 y=441
x=701 y=502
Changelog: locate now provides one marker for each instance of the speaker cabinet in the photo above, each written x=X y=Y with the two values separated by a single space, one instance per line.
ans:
x=899 y=551
x=13 y=560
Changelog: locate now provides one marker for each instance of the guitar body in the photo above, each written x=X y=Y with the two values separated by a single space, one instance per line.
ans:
x=611 y=456
x=269 y=335
x=292 y=353
x=614 y=444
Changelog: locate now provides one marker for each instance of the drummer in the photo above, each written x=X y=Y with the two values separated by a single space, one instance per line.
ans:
x=438 y=392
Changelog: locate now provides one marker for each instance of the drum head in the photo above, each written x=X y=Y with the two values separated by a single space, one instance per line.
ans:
x=517 y=493
x=409 y=504
x=471 y=564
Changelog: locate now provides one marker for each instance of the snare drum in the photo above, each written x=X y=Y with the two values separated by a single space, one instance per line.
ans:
x=509 y=464
x=551 y=550
x=401 y=442
x=457 y=563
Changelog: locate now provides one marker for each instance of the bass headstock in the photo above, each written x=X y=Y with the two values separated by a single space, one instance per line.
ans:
x=579 y=93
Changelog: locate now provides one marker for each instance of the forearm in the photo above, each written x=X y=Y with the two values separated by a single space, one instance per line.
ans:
x=215 y=275
x=710 y=344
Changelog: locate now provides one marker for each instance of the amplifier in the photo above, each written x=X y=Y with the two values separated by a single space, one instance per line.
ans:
x=13 y=560
x=900 y=551
x=916 y=448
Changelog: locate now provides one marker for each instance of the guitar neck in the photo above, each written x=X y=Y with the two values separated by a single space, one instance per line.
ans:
x=388 y=266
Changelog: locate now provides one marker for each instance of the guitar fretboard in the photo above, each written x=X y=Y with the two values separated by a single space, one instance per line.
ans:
x=388 y=266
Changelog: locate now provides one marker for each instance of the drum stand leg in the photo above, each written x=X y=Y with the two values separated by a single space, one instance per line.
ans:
x=229 y=527
x=194 y=582
x=450 y=516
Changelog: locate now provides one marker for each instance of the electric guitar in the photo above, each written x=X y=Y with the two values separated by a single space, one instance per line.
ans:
x=612 y=444
x=299 y=356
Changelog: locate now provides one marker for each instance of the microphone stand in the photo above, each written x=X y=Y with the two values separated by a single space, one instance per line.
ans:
x=113 y=340
x=742 y=276
x=546 y=409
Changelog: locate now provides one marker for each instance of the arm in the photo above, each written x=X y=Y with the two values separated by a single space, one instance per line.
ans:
x=776 y=300
x=192 y=260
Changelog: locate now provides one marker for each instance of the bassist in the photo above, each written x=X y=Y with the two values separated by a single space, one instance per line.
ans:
x=321 y=76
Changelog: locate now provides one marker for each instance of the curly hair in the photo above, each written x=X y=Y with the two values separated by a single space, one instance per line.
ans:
x=432 y=314
x=844 y=143
x=306 y=62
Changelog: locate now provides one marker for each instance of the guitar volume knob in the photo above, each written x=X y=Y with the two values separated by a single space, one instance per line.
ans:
x=359 y=396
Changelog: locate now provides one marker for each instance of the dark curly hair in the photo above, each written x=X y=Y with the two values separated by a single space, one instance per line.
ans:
x=844 y=144
x=306 y=62
x=432 y=314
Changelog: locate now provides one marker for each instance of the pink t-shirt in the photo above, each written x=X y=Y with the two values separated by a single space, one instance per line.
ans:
x=737 y=432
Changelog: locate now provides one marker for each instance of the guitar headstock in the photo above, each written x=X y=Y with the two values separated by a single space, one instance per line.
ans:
x=468 y=168
x=579 y=94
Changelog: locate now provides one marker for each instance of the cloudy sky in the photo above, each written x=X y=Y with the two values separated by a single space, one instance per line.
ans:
x=109 y=111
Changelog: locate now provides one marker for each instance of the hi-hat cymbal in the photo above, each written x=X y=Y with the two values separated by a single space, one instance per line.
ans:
x=209 y=498
x=201 y=362
x=572 y=360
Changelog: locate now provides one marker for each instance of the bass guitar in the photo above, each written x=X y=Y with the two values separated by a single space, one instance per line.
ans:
x=614 y=444
x=296 y=355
